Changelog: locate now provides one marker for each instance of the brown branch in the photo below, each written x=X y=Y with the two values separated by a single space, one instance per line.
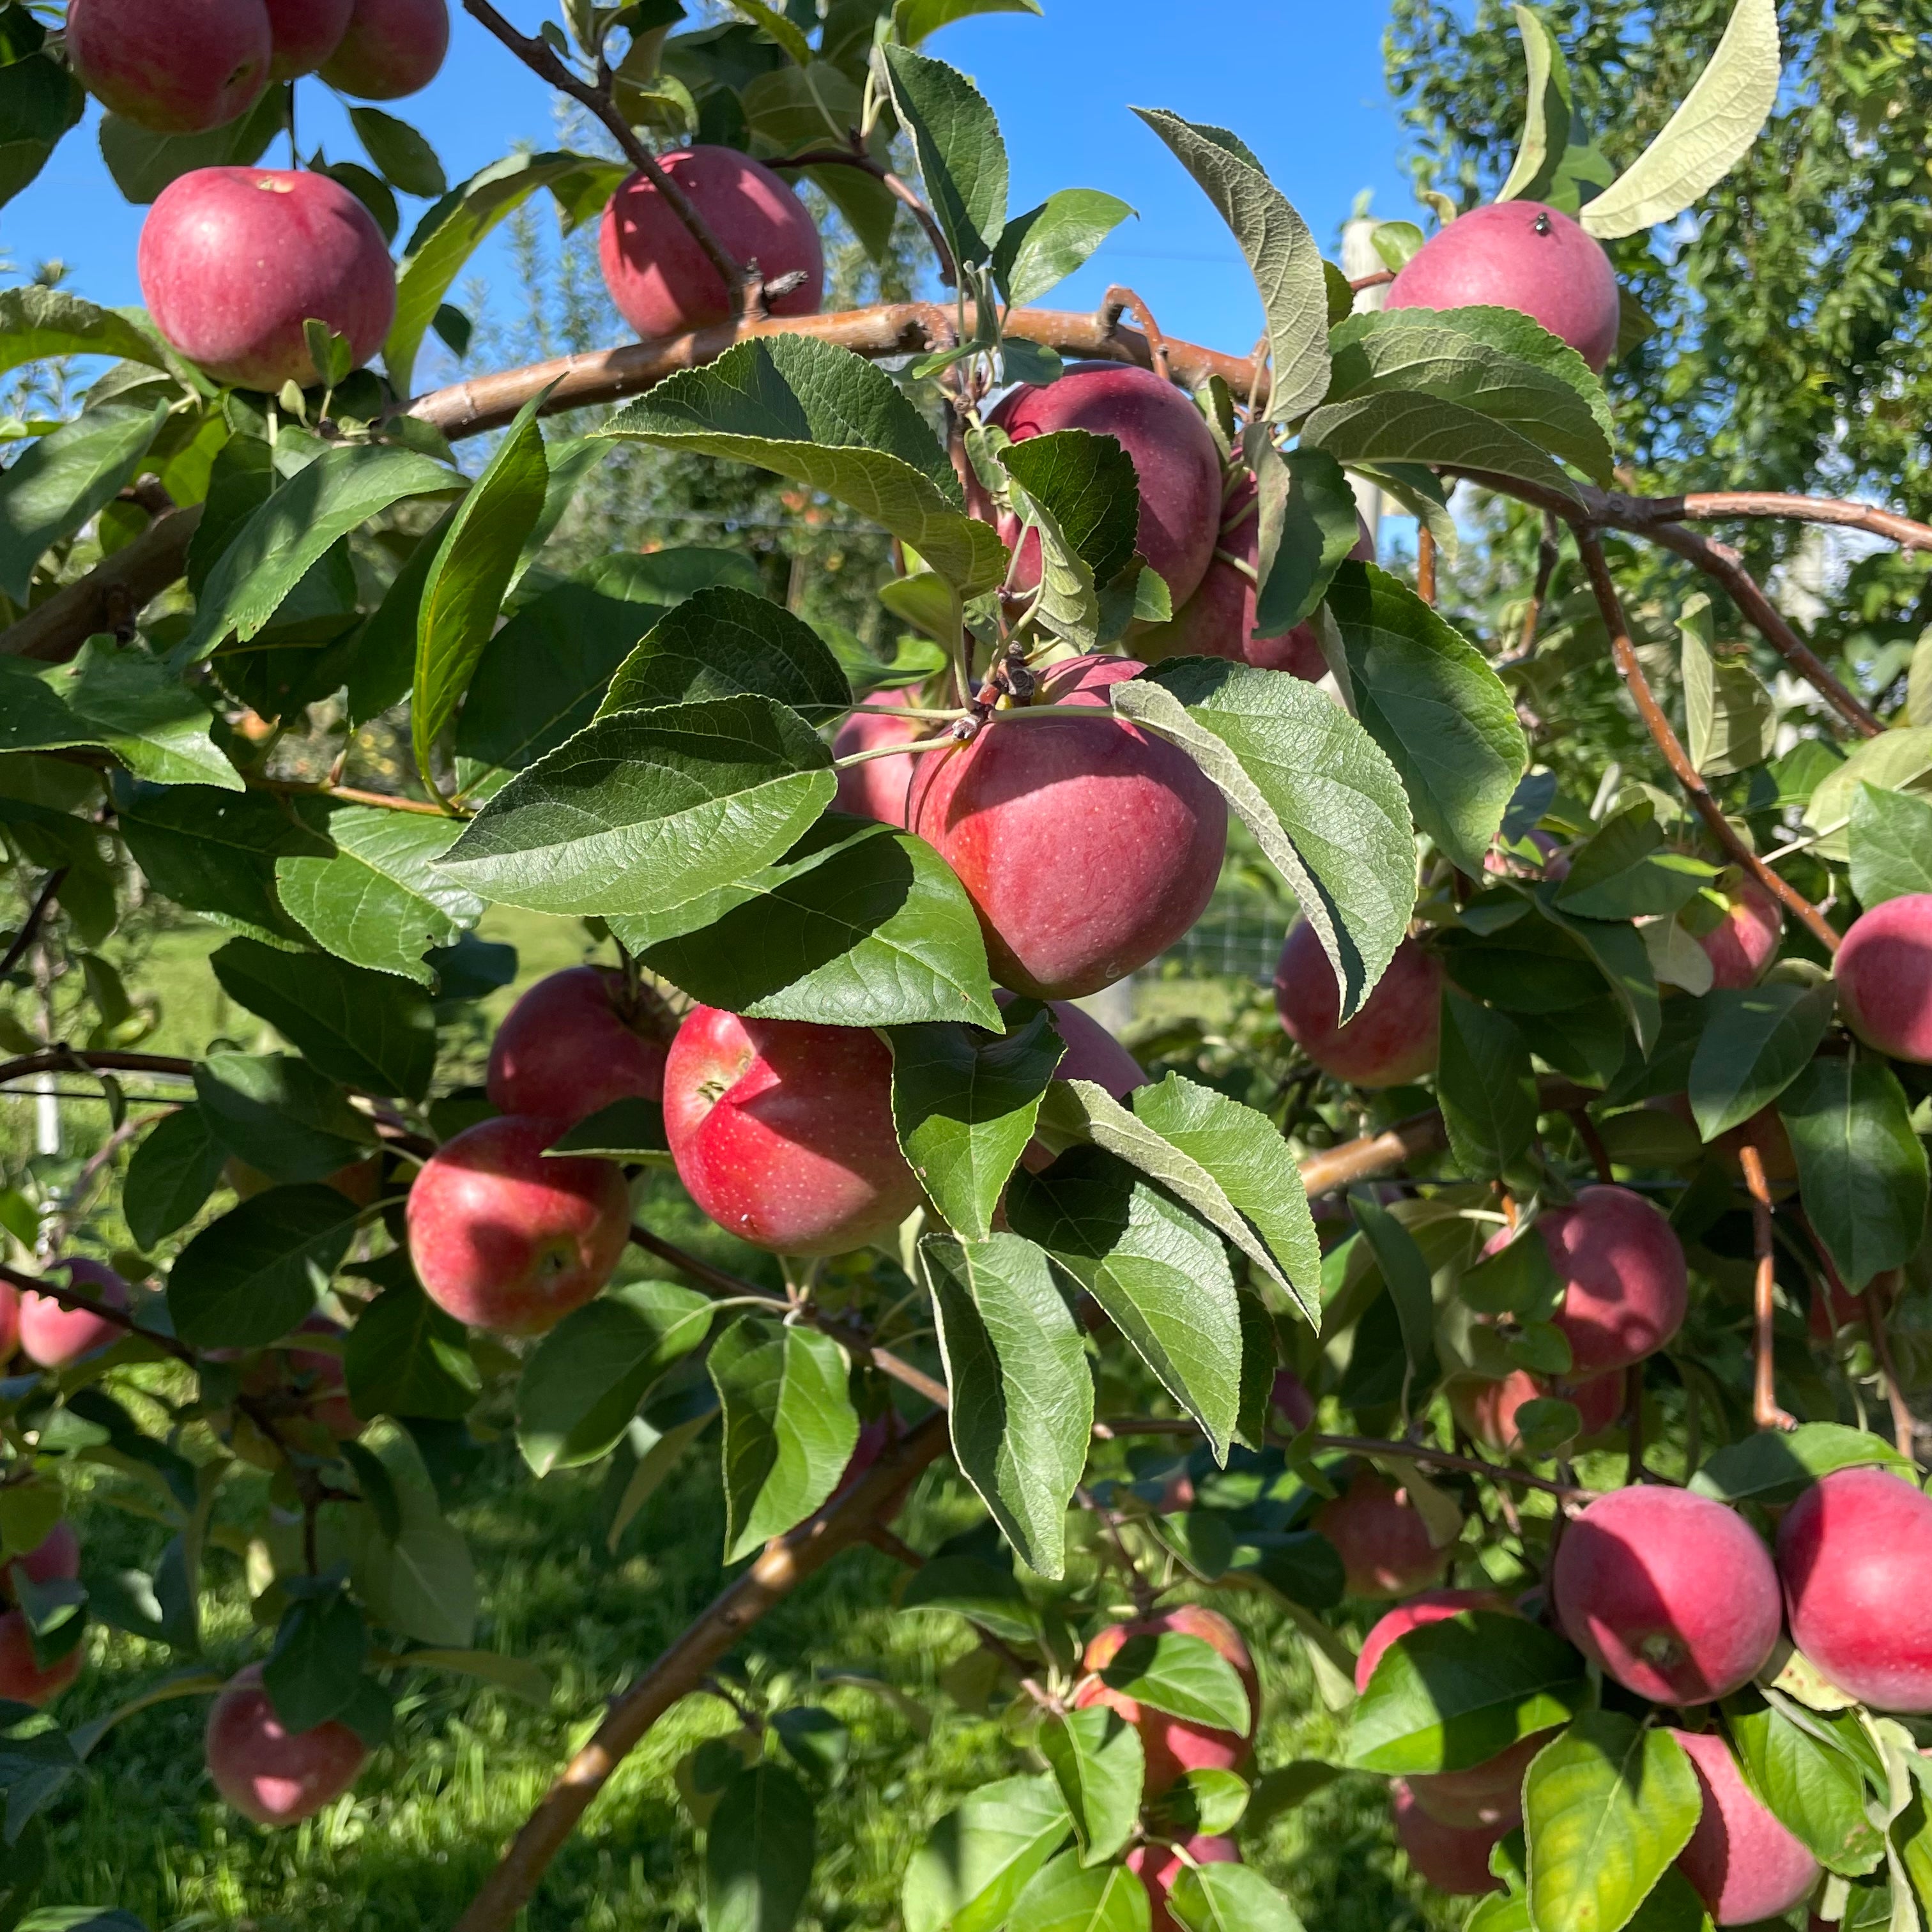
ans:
x=65 y=1060
x=1548 y=551
x=1119 y=300
x=1425 y=564
x=1764 y=1410
x=110 y=596
x=1904 y=1429
x=384 y=801
x=1721 y=505
x=1380 y=279
x=1593 y=1142
x=1442 y=1458
x=786 y=1563
x=855 y=157
x=1674 y=755
x=72 y=1298
x=36 y=914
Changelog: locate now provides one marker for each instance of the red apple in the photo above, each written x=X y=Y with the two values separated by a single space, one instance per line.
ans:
x=233 y=261
x=269 y=1773
x=1744 y=1863
x=1086 y=849
x=306 y=33
x=390 y=48
x=782 y=1131
x=177 y=69
x=56 y=1337
x=1383 y=1541
x=1519 y=255
x=1173 y=1746
x=1431 y=1607
x=1625 y=1286
x=1393 y=1040
x=663 y=282
x=1174 y=456
x=878 y=788
x=1452 y=1860
x=1745 y=944
x=21 y=1679
x=1487 y=1410
x=1669 y=1592
x=56 y=1557
x=1855 y=1555
x=507 y=1238
x=9 y=1321
x=1884 y=972
x=1158 y=1867
x=574 y=1043
x=1487 y=1795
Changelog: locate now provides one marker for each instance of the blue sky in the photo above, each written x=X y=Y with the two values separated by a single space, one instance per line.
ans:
x=1320 y=120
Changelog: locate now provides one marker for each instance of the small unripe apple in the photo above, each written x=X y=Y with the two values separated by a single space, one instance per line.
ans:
x=659 y=276
x=233 y=261
x=1743 y=945
x=179 y=69
x=1395 y=1037
x=56 y=1336
x=507 y=1238
x=1453 y=1860
x=55 y=1558
x=1669 y=1592
x=1744 y=1863
x=269 y=1773
x=575 y=1043
x=1086 y=848
x=390 y=48
x=1158 y=1867
x=21 y=1679
x=306 y=33
x=1625 y=1285
x=1523 y=256
x=1381 y=1538
x=878 y=788
x=1487 y=1410
x=1884 y=972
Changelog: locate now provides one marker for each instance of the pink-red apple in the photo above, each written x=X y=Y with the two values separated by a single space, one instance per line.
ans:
x=1092 y=1054
x=662 y=280
x=390 y=48
x=55 y=1558
x=1395 y=1038
x=56 y=1336
x=1158 y=1867
x=306 y=33
x=1744 y=1863
x=1452 y=1859
x=233 y=261
x=576 y=1042
x=878 y=788
x=1173 y=1746
x=1382 y=1540
x=507 y=1238
x=782 y=1131
x=21 y=1679
x=1086 y=848
x=1519 y=255
x=180 y=69
x=1625 y=1286
x=268 y=1772
x=1884 y=972
x=1669 y=1592
x=1854 y=1556
x=1744 y=943
x=1487 y=1410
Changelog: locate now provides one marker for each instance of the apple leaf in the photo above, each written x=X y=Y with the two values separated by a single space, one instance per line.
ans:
x=1309 y=524
x=1545 y=131
x=1410 y=426
x=1754 y=1044
x=38 y=325
x=1098 y=1762
x=1039 y=249
x=171 y=1172
x=1229 y=1898
x=1890 y=845
x=1069 y=1895
x=759 y=1848
x=961 y=158
x=249 y=1279
x=978 y=1859
x=61 y=480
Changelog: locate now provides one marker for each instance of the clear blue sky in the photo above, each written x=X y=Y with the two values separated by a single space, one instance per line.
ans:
x=1301 y=83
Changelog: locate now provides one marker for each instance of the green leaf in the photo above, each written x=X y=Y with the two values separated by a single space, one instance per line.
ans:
x=961 y=158
x=1022 y=1396
x=1617 y=950
x=1898 y=760
x=422 y=1581
x=39 y=325
x=40 y=99
x=1229 y=1898
x=1078 y=491
x=281 y=1115
x=1309 y=523
x=1039 y=249
x=1286 y=263
x=970 y=1587
x=1754 y=1044
x=758 y=1853
x=143 y=164
x=379 y=901
x=1405 y=426
x=1448 y=1696
x=1546 y=122
x=466 y=583
x=1428 y=696
x=1487 y=1086
x=1890 y=845
x=405 y=1357
x=172 y=1171
x=790 y=1428
x=276 y=548
x=60 y=480
x=1184 y=1676
x=1098 y=1763
x=721 y=642
x=1731 y=719
x=1067 y=1897
x=643 y=811
x=1861 y=1170
x=1406 y=1275
x=315 y=1671
x=1624 y=871
x=828 y=418
x=965 y=1104
x=1713 y=129
x=523 y=1680
x=1606 y=1807
x=249 y=1279
x=860 y=924
x=1814 y=1790
x=1318 y=793
x=406 y=161
x=914 y=20
x=367 y=1029
x=1773 y=1466
x=632 y=1130
x=979 y=1858
x=584 y=1381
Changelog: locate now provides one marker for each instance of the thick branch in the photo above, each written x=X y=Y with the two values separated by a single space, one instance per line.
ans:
x=110 y=596
x=1721 y=505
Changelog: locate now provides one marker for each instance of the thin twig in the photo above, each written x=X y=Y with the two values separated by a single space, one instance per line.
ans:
x=382 y=801
x=1548 y=553
x=1140 y=1589
x=1721 y=505
x=1119 y=301
x=901 y=191
x=1904 y=1429
x=1425 y=564
x=43 y=904
x=1593 y=1142
x=66 y=1060
x=1764 y=1410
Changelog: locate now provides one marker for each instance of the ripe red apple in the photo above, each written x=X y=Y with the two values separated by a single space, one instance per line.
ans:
x=1855 y=1555
x=175 y=70
x=1174 y=458
x=1671 y=1593
x=1431 y=1607
x=878 y=788
x=1884 y=972
x=1519 y=255
x=574 y=1043
x=1382 y=1538
x=56 y=1337
x=306 y=33
x=1292 y=1401
x=1452 y=1859
x=1092 y=1054
x=234 y=260
x=269 y=1773
x=1173 y=1746
x=1086 y=849
x=663 y=282
x=1487 y=1795
x=506 y=1238
x=1625 y=1284
x=55 y=1557
x=390 y=48
x=1745 y=944
x=1393 y=1039
x=1744 y=1865
x=782 y=1131
x=1487 y=1410
x=1158 y=1867
x=21 y=1679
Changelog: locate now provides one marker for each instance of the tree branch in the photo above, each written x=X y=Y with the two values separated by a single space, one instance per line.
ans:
x=856 y=157
x=1721 y=505
x=65 y=1060
x=110 y=596
x=1765 y=1411
x=36 y=915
